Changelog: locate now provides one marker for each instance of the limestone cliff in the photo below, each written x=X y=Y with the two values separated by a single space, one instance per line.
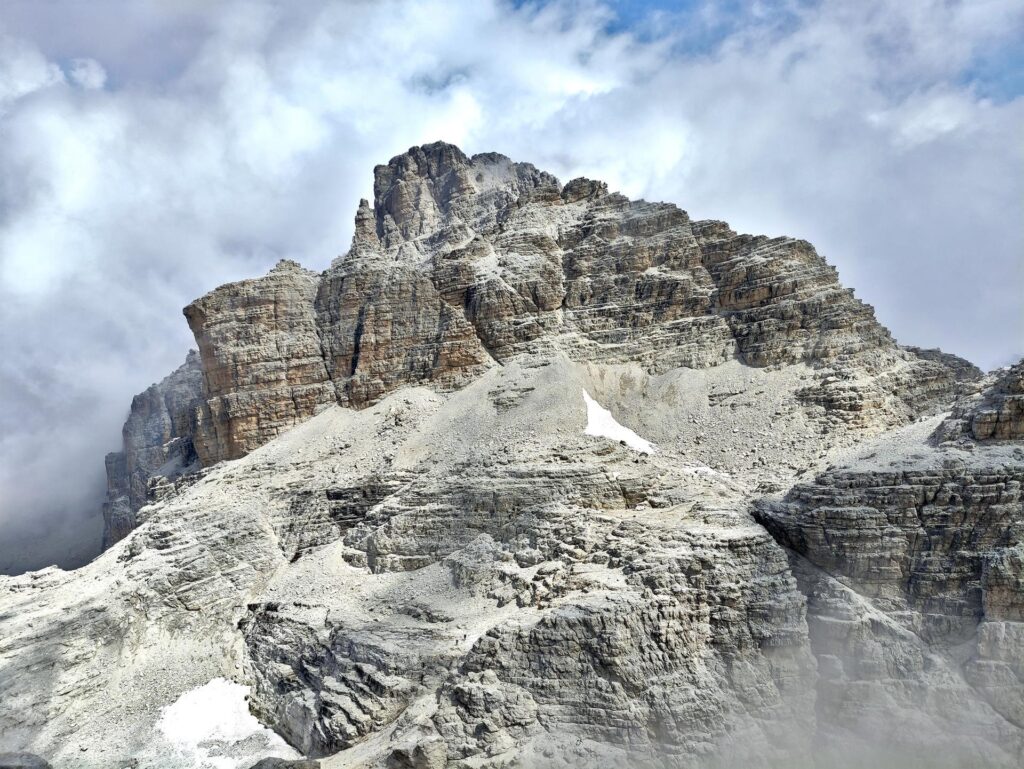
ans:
x=158 y=442
x=263 y=369
x=400 y=501
x=463 y=263
x=991 y=410
x=912 y=570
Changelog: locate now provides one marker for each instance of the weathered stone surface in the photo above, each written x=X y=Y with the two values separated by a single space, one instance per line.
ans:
x=668 y=667
x=991 y=409
x=324 y=691
x=963 y=370
x=157 y=443
x=383 y=327
x=783 y=302
x=22 y=761
x=915 y=583
x=915 y=539
x=580 y=619
x=1000 y=415
x=263 y=369
x=463 y=261
x=283 y=763
x=886 y=696
x=422 y=553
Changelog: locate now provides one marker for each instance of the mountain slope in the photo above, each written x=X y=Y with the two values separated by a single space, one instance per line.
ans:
x=412 y=540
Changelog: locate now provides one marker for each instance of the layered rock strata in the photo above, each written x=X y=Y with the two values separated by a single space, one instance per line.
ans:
x=157 y=442
x=263 y=368
x=463 y=262
x=914 y=575
x=459 y=589
x=993 y=410
x=411 y=543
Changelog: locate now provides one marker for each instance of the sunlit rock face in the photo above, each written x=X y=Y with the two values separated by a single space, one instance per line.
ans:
x=263 y=368
x=462 y=263
x=538 y=475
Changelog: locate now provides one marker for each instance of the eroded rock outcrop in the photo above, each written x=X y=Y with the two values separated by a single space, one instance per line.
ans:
x=462 y=262
x=595 y=602
x=963 y=370
x=410 y=541
x=993 y=410
x=158 y=442
x=913 y=572
x=263 y=368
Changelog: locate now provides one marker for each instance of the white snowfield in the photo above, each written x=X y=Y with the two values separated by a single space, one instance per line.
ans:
x=601 y=423
x=210 y=727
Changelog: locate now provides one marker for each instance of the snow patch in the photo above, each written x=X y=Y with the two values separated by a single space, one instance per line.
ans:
x=601 y=423
x=210 y=727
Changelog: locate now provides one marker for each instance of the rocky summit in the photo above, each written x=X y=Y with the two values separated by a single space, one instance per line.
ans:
x=539 y=476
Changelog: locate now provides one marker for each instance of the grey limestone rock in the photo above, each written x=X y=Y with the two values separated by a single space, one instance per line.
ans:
x=282 y=763
x=157 y=442
x=463 y=262
x=379 y=498
x=914 y=581
x=990 y=409
x=22 y=761
x=263 y=369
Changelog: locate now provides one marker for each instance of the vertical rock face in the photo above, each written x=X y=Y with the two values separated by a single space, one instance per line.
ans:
x=914 y=585
x=263 y=369
x=913 y=540
x=1000 y=414
x=385 y=327
x=915 y=581
x=462 y=262
x=157 y=442
x=526 y=260
x=990 y=409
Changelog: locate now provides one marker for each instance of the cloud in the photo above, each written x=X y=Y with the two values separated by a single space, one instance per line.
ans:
x=146 y=161
x=88 y=73
x=23 y=70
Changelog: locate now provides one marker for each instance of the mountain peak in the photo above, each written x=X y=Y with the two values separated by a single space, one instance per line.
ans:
x=541 y=474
